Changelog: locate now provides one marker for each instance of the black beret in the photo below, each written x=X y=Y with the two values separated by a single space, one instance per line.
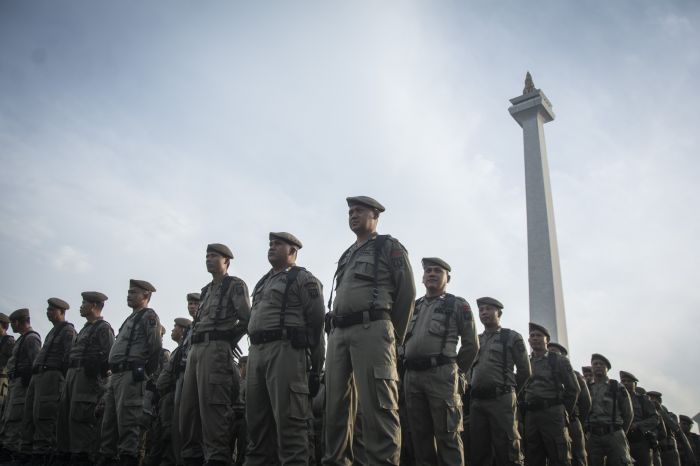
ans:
x=561 y=348
x=586 y=369
x=640 y=390
x=287 y=238
x=539 y=328
x=94 y=296
x=220 y=249
x=489 y=301
x=654 y=393
x=436 y=261
x=182 y=322
x=20 y=314
x=365 y=201
x=685 y=418
x=628 y=375
x=58 y=303
x=4 y=319
x=600 y=357
x=143 y=284
x=193 y=297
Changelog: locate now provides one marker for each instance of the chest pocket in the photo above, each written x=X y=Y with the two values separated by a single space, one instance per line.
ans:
x=363 y=268
x=438 y=324
x=275 y=294
x=496 y=352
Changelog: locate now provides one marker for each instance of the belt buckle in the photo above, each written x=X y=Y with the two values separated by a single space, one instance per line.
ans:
x=365 y=319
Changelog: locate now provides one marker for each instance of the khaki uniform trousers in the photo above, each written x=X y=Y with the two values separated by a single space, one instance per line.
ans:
x=41 y=412
x=669 y=453
x=14 y=411
x=206 y=403
x=159 y=440
x=579 y=457
x=176 y=430
x=546 y=437
x=121 y=429
x=609 y=449
x=278 y=405
x=435 y=415
x=361 y=362
x=493 y=431
x=641 y=453
x=77 y=430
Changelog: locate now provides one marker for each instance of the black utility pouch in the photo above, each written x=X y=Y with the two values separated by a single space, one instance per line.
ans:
x=138 y=372
x=298 y=339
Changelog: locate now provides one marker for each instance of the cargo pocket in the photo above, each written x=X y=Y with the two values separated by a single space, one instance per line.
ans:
x=220 y=389
x=385 y=379
x=496 y=353
x=48 y=407
x=16 y=410
x=83 y=408
x=453 y=415
x=299 y=401
x=133 y=410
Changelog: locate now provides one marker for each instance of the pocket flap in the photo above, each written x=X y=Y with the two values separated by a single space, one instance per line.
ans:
x=386 y=373
x=300 y=388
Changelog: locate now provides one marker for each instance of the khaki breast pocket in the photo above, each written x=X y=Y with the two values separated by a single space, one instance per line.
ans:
x=438 y=324
x=363 y=268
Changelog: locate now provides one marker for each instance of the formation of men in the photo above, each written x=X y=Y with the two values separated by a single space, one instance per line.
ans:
x=93 y=398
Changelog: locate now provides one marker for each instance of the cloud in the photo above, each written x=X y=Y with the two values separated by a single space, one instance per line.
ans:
x=69 y=259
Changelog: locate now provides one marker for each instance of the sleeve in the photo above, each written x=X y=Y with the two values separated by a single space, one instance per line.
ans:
x=404 y=289
x=311 y=294
x=69 y=336
x=584 y=398
x=570 y=383
x=522 y=361
x=6 y=353
x=467 y=334
x=32 y=347
x=106 y=340
x=154 y=341
x=166 y=379
x=625 y=405
x=241 y=300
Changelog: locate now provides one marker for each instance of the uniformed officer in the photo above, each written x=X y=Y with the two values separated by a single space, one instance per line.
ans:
x=240 y=430
x=610 y=418
x=579 y=456
x=20 y=373
x=668 y=446
x=132 y=360
x=433 y=397
x=641 y=435
x=86 y=379
x=549 y=400
x=286 y=323
x=694 y=439
x=44 y=391
x=154 y=449
x=179 y=366
x=163 y=450
x=587 y=372
x=7 y=342
x=206 y=406
x=493 y=412
x=374 y=303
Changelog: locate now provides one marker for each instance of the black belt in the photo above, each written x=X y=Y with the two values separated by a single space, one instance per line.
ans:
x=122 y=367
x=541 y=404
x=603 y=430
x=218 y=335
x=488 y=393
x=428 y=362
x=44 y=368
x=348 y=320
x=267 y=336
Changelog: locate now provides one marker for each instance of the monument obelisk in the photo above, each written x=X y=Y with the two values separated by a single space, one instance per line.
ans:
x=532 y=110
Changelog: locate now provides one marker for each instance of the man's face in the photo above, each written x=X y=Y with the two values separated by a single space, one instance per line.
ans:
x=361 y=219
x=588 y=375
x=176 y=333
x=136 y=298
x=599 y=368
x=488 y=315
x=278 y=252
x=435 y=278
x=629 y=384
x=216 y=263
x=656 y=400
x=537 y=340
x=553 y=349
x=53 y=314
x=685 y=426
x=192 y=307
x=15 y=325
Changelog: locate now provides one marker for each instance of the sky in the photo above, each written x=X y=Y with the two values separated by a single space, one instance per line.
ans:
x=132 y=134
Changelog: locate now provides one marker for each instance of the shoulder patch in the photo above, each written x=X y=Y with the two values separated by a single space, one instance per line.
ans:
x=238 y=289
x=312 y=289
x=466 y=311
x=152 y=321
x=519 y=345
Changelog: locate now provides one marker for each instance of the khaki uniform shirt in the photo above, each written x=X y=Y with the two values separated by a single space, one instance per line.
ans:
x=168 y=375
x=645 y=418
x=602 y=405
x=235 y=306
x=396 y=290
x=432 y=323
x=93 y=343
x=487 y=371
x=56 y=350
x=548 y=384
x=7 y=342
x=144 y=333
x=24 y=352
